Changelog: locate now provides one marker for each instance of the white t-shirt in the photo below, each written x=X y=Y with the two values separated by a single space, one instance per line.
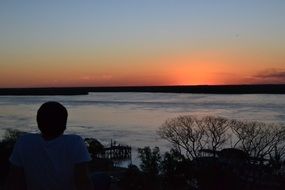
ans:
x=49 y=165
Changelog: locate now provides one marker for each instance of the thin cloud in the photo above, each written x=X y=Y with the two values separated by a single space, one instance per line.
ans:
x=274 y=75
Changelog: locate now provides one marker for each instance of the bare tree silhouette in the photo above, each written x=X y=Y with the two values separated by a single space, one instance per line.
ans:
x=189 y=134
x=259 y=140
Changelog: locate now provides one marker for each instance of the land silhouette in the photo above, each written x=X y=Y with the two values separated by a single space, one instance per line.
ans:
x=205 y=89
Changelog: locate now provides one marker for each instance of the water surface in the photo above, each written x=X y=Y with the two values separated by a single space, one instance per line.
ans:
x=133 y=118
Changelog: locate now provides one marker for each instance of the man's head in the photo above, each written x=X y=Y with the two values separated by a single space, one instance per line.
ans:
x=51 y=119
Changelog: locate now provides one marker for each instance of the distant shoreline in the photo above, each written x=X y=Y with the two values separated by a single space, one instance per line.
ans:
x=199 y=89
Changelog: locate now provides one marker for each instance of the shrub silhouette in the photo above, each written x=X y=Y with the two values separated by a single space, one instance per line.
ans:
x=6 y=147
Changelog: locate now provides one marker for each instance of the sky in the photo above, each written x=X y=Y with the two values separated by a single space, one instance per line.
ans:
x=141 y=42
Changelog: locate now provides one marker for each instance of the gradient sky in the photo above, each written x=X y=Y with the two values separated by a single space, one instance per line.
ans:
x=141 y=42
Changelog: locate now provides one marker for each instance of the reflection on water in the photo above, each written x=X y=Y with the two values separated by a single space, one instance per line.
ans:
x=133 y=118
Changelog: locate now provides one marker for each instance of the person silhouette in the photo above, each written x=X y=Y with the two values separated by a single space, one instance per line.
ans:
x=50 y=160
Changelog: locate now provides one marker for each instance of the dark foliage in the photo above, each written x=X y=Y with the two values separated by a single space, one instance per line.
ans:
x=150 y=165
x=176 y=171
x=6 y=147
x=171 y=171
x=133 y=179
x=150 y=160
x=94 y=147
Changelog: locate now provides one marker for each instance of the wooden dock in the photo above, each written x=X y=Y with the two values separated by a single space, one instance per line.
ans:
x=115 y=152
x=118 y=152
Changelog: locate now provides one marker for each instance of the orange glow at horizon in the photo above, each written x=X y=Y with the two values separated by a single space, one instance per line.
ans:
x=226 y=67
x=208 y=68
x=196 y=68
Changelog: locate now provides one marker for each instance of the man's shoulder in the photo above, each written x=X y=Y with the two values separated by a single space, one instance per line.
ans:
x=72 y=137
x=29 y=137
x=72 y=141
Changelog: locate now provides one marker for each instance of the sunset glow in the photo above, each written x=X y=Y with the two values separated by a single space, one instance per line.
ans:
x=123 y=43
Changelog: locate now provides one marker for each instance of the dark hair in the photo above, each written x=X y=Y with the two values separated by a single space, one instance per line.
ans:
x=51 y=119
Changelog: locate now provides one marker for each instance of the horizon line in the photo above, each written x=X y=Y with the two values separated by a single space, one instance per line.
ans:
x=142 y=86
